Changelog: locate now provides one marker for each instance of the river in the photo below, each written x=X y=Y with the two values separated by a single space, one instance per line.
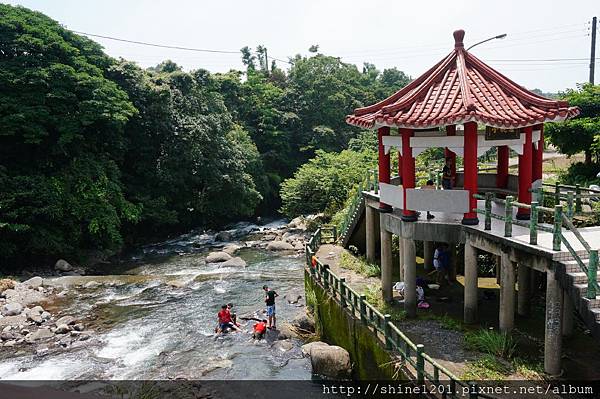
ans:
x=154 y=318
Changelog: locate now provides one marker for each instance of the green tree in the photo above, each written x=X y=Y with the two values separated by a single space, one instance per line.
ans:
x=61 y=141
x=582 y=133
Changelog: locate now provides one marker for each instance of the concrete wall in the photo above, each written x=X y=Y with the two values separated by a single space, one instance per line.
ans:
x=337 y=326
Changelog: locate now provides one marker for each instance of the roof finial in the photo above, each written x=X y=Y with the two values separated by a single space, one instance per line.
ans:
x=459 y=35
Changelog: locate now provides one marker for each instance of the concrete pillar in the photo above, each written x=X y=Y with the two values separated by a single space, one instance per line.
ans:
x=523 y=275
x=567 y=317
x=401 y=258
x=453 y=261
x=507 y=294
x=386 y=264
x=371 y=217
x=384 y=163
x=502 y=169
x=428 y=249
x=498 y=267
x=470 y=312
x=553 y=336
x=410 y=277
x=533 y=282
x=525 y=175
x=470 y=171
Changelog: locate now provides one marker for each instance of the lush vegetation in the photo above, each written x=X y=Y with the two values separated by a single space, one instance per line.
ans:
x=97 y=153
x=359 y=264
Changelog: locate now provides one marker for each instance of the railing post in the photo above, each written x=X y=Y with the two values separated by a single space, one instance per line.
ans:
x=577 y=198
x=556 y=194
x=387 y=319
x=488 y=211
x=557 y=228
x=541 y=196
x=369 y=180
x=570 y=205
x=508 y=214
x=376 y=182
x=438 y=179
x=343 y=291
x=363 y=309
x=334 y=231
x=533 y=223
x=326 y=276
x=592 y=274
x=420 y=364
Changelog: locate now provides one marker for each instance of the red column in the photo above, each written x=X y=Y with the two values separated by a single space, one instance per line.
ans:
x=525 y=162
x=470 y=166
x=408 y=172
x=502 y=169
x=538 y=156
x=451 y=131
x=384 y=164
x=400 y=158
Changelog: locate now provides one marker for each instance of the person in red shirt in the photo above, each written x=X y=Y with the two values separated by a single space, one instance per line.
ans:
x=225 y=322
x=259 y=329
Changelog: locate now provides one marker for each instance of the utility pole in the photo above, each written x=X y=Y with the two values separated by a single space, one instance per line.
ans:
x=593 y=51
x=267 y=57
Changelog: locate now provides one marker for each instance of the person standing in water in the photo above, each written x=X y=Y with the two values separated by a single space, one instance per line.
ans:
x=270 y=296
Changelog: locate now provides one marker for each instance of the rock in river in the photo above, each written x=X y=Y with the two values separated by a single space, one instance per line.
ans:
x=63 y=266
x=65 y=320
x=234 y=262
x=217 y=257
x=42 y=333
x=12 y=309
x=33 y=282
x=280 y=246
x=62 y=329
x=329 y=360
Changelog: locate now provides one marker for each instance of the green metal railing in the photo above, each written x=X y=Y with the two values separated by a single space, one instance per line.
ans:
x=560 y=220
x=425 y=369
x=572 y=197
x=370 y=183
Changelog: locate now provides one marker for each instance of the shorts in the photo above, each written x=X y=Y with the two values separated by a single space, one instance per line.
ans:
x=258 y=335
x=225 y=326
x=447 y=184
x=270 y=310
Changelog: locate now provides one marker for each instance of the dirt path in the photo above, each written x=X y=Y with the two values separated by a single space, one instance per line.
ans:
x=330 y=254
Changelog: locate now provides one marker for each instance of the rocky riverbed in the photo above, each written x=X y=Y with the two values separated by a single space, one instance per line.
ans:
x=153 y=315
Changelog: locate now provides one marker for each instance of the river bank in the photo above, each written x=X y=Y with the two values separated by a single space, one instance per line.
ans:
x=153 y=315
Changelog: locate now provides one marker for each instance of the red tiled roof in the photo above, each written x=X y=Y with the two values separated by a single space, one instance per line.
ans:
x=458 y=89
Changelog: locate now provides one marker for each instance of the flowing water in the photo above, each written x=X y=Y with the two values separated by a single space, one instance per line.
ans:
x=155 y=318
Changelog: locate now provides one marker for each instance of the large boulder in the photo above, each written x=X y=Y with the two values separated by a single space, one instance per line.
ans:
x=308 y=348
x=217 y=257
x=13 y=321
x=42 y=333
x=280 y=246
x=331 y=361
x=304 y=322
x=12 y=309
x=231 y=248
x=285 y=331
x=65 y=320
x=234 y=262
x=33 y=282
x=282 y=345
x=63 y=266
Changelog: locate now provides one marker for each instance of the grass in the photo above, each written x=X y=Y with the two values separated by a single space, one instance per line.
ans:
x=359 y=265
x=375 y=298
x=486 y=368
x=447 y=322
x=491 y=342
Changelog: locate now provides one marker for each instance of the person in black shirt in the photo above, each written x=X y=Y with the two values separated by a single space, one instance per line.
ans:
x=270 y=296
x=447 y=178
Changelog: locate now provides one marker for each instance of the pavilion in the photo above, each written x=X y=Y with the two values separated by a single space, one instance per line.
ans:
x=494 y=112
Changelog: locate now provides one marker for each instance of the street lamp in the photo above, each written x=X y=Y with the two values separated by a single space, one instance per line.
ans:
x=502 y=36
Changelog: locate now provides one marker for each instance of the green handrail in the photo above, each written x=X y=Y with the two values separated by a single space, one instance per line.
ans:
x=381 y=325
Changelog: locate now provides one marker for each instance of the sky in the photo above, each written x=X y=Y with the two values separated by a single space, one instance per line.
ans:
x=411 y=36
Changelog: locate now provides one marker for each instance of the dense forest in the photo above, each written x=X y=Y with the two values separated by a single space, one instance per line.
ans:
x=97 y=153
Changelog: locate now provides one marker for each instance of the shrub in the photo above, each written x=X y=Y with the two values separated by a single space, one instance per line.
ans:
x=491 y=342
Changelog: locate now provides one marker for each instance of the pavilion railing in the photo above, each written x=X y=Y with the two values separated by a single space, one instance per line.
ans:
x=560 y=220
x=572 y=197
x=423 y=369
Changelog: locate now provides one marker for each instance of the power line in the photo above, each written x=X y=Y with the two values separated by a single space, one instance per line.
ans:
x=169 y=46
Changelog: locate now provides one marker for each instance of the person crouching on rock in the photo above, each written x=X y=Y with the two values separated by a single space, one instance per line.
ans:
x=270 y=296
x=259 y=330
x=225 y=322
x=233 y=314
